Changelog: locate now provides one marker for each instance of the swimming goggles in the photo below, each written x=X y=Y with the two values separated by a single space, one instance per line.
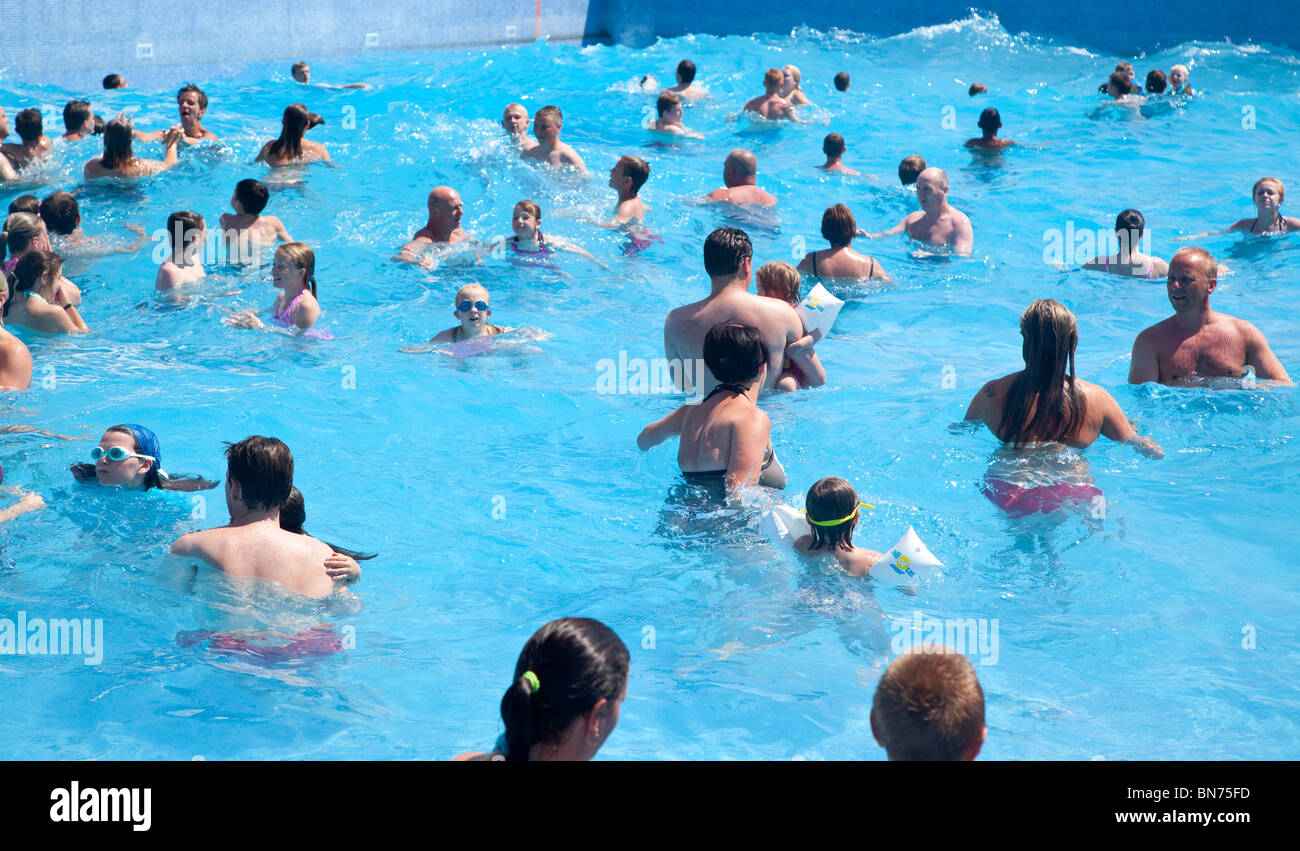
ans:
x=466 y=306
x=841 y=520
x=115 y=453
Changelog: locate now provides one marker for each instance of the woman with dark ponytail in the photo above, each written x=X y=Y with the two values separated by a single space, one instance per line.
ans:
x=569 y=684
x=291 y=147
x=340 y=566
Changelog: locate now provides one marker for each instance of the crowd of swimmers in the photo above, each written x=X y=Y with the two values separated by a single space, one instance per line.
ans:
x=571 y=678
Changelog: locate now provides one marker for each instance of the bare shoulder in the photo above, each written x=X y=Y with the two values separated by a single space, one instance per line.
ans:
x=1242 y=224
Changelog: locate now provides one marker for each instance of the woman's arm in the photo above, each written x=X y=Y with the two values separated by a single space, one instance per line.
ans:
x=657 y=432
x=306 y=313
x=749 y=442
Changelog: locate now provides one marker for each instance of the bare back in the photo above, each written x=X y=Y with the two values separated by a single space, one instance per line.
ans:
x=1101 y=413
x=15 y=363
x=264 y=551
x=686 y=327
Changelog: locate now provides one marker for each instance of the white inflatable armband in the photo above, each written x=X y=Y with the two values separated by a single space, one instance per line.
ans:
x=783 y=525
x=819 y=309
x=906 y=563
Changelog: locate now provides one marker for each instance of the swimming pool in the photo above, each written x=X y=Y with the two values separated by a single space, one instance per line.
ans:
x=503 y=491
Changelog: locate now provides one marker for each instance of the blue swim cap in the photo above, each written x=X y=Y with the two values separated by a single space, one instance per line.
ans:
x=148 y=442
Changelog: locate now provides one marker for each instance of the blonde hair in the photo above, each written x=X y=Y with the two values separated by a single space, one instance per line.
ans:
x=20 y=228
x=779 y=279
x=304 y=258
x=794 y=72
x=471 y=289
x=1281 y=189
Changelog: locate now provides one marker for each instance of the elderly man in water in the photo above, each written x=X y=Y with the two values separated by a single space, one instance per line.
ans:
x=937 y=222
x=740 y=174
x=443 y=226
x=1196 y=342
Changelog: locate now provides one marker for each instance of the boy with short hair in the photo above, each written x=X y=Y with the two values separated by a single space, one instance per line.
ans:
x=471 y=308
x=248 y=231
x=929 y=706
x=833 y=147
x=187 y=234
x=627 y=177
x=669 y=106
x=547 y=125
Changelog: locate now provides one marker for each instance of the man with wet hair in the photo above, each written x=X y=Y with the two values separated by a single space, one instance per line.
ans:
x=35 y=144
x=833 y=147
x=442 y=228
x=937 y=222
x=740 y=176
x=301 y=72
x=1156 y=82
x=78 y=121
x=685 y=88
x=910 y=169
x=192 y=105
x=842 y=81
x=729 y=263
x=1196 y=342
x=770 y=104
x=989 y=123
x=977 y=89
x=114 y=81
x=259 y=477
x=929 y=706
x=548 y=123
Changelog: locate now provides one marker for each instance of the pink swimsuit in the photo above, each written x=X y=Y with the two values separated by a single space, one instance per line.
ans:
x=285 y=318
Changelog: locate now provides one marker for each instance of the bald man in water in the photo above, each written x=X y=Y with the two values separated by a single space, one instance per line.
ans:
x=1196 y=342
x=937 y=222
x=740 y=174
x=443 y=226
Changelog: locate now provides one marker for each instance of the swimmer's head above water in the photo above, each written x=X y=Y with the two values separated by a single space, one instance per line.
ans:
x=838 y=226
x=669 y=106
x=831 y=507
x=932 y=189
x=472 y=308
x=526 y=220
x=187 y=234
x=790 y=78
x=445 y=208
x=740 y=168
x=929 y=706
x=514 y=119
x=842 y=81
x=294 y=268
x=129 y=457
x=772 y=80
x=910 y=169
x=990 y=121
x=250 y=198
x=1268 y=193
x=547 y=124
x=1043 y=403
x=628 y=175
x=114 y=81
x=977 y=89
x=61 y=213
x=778 y=280
x=1178 y=78
x=301 y=72
x=1156 y=83
x=685 y=72
x=736 y=354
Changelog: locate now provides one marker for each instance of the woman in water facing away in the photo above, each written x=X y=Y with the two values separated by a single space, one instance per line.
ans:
x=1044 y=405
x=569 y=684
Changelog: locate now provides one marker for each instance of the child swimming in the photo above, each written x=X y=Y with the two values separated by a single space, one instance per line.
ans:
x=832 y=509
x=801 y=367
x=129 y=457
x=247 y=231
x=528 y=247
x=471 y=308
x=725 y=439
x=547 y=125
x=295 y=309
x=291 y=147
x=187 y=234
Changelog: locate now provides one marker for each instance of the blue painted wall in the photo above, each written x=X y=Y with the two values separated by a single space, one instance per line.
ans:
x=74 y=43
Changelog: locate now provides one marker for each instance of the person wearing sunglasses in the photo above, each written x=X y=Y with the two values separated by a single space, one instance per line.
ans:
x=471 y=308
x=128 y=456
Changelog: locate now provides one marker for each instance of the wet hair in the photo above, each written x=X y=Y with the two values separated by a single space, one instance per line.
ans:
x=773 y=77
x=75 y=114
x=61 y=213
x=910 y=169
x=928 y=706
x=667 y=100
x=117 y=144
x=535 y=210
x=20 y=230
x=187 y=484
x=1126 y=223
x=252 y=195
x=549 y=113
x=637 y=169
x=24 y=204
x=735 y=353
x=99 y=126
x=795 y=74
x=990 y=120
x=190 y=87
x=304 y=258
x=830 y=499
x=263 y=466
x=298 y=66
x=114 y=81
x=1157 y=82
x=838 y=225
x=724 y=250
x=833 y=145
x=1281 y=189
x=1046 y=387
x=977 y=89
x=293 y=126
x=29 y=125
x=779 y=279
x=180 y=226
x=576 y=662
x=293 y=514
x=30 y=272
x=842 y=81
x=1119 y=82
x=686 y=71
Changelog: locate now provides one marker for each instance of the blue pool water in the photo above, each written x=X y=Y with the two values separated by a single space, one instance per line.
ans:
x=503 y=491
